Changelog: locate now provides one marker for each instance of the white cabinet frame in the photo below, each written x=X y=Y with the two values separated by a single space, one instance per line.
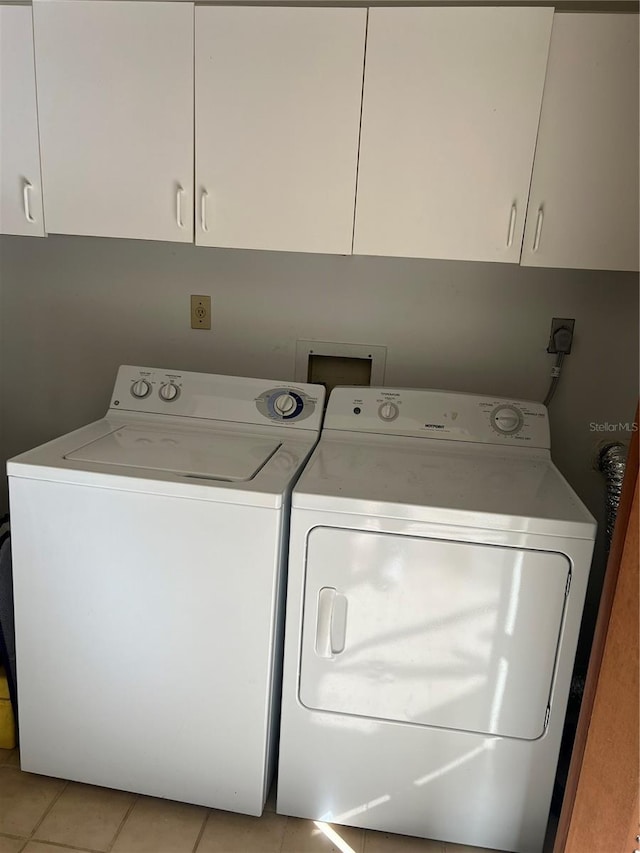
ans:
x=278 y=97
x=583 y=208
x=450 y=115
x=20 y=183
x=115 y=100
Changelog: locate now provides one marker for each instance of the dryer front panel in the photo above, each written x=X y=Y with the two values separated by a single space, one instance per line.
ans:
x=450 y=634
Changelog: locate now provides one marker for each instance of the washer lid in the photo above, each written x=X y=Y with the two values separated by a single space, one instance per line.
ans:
x=191 y=453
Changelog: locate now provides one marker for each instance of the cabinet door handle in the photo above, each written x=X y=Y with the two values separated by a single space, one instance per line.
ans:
x=179 y=192
x=512 y=224
x=25 y=198
x=203 y=210
x=536 y=239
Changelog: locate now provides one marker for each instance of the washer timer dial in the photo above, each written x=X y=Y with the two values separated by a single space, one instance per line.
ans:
x=285 y=404
x=507 y=420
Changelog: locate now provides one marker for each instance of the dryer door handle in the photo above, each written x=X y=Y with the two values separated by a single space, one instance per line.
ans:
x=331 y=622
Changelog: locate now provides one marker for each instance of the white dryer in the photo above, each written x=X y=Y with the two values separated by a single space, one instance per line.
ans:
x=149 y=557
x=437 y=573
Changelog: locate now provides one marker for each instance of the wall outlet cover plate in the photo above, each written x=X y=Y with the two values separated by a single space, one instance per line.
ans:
x=200 y=312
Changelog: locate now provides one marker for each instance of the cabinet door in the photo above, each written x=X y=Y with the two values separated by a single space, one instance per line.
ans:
x=278 y=95
x=20 y=189
x=115 y=101
x=583 y=208
x=450 y=113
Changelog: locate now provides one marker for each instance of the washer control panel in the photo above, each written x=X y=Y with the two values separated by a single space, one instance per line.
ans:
x=212 y=396
x=147 y=383
x=285 y=404
x=167 y=391
x=439 y=415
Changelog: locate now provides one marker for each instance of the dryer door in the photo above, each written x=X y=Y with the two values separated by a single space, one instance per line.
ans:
x=449 y=634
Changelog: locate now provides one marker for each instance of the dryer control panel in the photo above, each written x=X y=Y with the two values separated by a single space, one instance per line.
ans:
x=435 y=414
x=214 y=397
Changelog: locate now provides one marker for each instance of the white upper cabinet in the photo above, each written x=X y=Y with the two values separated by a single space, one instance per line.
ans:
x=450 y=114
x=278 y=95
x=115 y=103
x=583 y=208
x=20 y=190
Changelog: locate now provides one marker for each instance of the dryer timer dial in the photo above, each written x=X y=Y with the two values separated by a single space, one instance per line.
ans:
x=506 y=420
x=388 y=411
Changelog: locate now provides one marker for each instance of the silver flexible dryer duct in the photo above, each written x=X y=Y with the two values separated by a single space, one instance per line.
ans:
x=612 y=462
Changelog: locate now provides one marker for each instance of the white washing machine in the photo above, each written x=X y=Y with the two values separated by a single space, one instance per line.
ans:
x=437 y=572
x=149 y=558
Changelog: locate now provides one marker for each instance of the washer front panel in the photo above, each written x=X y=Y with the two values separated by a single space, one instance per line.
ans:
x=159 y=616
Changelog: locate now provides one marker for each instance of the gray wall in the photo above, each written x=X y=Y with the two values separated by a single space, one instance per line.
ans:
x=73 y=309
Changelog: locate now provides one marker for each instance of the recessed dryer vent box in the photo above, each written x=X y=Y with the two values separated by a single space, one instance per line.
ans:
x=332 y=364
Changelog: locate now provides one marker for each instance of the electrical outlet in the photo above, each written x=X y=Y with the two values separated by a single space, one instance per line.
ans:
x=200 y=312
x=561 y=336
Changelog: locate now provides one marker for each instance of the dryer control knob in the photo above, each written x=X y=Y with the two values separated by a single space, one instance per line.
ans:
x=284 y=404
x=141 y=389
x=506 y=419
x=169 y=392
x=388 y=411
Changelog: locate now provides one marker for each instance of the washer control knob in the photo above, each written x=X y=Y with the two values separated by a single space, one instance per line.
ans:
x=284 y=404
x=169 y=392
x=506 y=419
x=388 y=411
x=141 y=389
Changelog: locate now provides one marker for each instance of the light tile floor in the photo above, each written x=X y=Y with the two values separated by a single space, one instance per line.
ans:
x=42 y=815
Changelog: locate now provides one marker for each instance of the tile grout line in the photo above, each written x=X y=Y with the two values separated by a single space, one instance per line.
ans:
x=202 y=829
x=49 y=808
x=12 y=837
x=284 y=833
x=31 y=837
x=110 y=846
x=62 y=846
x=47 y=811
